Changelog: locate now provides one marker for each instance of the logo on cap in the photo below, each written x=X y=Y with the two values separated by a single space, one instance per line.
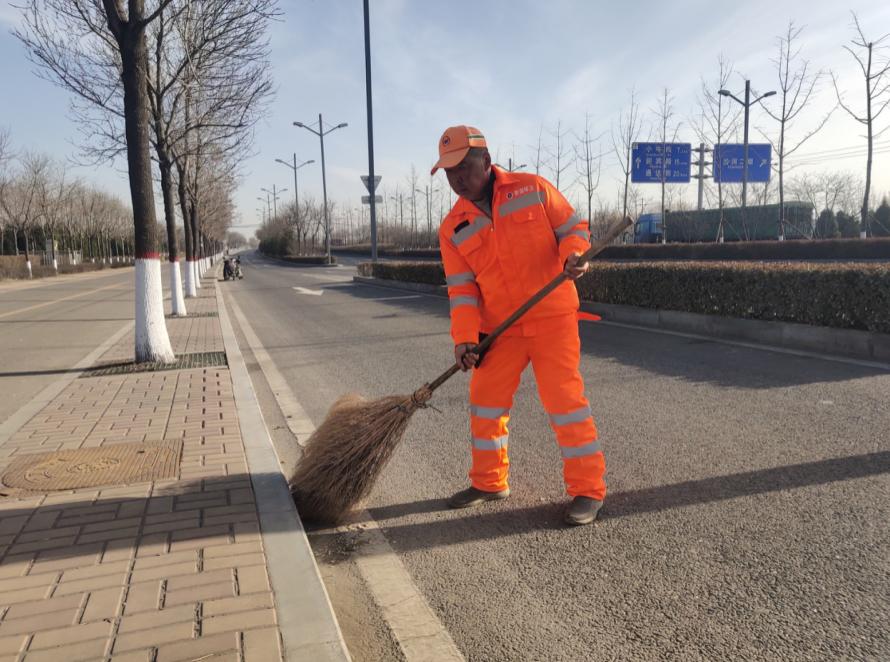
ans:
x=446 y=140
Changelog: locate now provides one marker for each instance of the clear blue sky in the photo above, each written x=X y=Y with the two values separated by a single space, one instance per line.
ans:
x=506 y=67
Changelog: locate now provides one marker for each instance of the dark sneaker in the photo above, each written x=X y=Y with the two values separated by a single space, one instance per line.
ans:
x=473 y=497
x=583 y=510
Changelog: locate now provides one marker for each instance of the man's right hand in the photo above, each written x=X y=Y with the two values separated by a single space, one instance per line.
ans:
x=465 y=357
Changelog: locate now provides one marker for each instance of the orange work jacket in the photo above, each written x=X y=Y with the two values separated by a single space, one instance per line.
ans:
x=494 y=264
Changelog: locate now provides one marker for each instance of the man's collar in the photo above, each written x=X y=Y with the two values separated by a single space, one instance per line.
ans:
x=502 y=176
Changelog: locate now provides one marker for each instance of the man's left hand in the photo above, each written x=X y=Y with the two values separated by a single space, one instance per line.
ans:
x=572 y=269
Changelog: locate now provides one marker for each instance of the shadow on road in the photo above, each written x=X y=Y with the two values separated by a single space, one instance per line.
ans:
x=500 y=520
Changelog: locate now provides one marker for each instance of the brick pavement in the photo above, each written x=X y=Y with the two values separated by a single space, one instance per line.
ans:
x=164 y=571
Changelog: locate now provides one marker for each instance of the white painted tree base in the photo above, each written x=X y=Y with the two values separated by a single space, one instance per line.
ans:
x=152 y=340
x=177 y=302
x=56 y=265
x=190 y=290
x=30 y=272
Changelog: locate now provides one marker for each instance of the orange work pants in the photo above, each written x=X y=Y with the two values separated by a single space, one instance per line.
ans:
x=555 y=353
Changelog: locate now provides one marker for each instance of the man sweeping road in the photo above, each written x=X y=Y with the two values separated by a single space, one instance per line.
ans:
x=507 y=236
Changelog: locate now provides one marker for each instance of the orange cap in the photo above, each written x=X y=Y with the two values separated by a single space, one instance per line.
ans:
x=455 y=143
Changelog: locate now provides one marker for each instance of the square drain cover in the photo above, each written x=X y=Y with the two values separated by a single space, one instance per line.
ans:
x=116 y=464
x=182 y=362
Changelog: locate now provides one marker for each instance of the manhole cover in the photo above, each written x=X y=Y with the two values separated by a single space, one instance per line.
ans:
x=90 y=467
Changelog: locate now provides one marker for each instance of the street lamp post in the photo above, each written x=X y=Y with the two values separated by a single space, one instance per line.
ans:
x=746 y=104
x=295 y=167
x=321 y=133
x=274 y=193
x=268 y=205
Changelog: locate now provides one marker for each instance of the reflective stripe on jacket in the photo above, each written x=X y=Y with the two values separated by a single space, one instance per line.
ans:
x=494 y=264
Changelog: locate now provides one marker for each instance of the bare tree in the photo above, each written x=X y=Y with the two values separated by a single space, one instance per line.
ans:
x=877 y=96
x=71 y=41
x=538 y=150
x=5 y=157
x=666 y=132
x=719 y=121
x=624 y=136
x=560 y=155
x=412 y=185
x=21 y=202
x=589 y=159
x=797 y=85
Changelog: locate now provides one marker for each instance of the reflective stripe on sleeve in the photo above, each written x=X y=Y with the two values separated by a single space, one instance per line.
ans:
x=479 y=223
x=590 y=448
x=464 y=301
x=521 y=202
x=490 y=444
x=576 y=416
x=580 y=233
x=461 y=278
x=489 y=412
x=566 y=227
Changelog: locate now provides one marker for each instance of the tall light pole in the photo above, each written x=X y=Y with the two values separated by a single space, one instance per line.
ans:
x=274 y=193
x=371 y=180
x=268 y=204
x=321 y=133
x=295 y=167
x=747 y=103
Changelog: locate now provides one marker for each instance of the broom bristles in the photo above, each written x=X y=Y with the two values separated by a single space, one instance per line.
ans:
x=347 y=452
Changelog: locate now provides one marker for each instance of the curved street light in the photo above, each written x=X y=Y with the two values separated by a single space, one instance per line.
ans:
x=321 y=133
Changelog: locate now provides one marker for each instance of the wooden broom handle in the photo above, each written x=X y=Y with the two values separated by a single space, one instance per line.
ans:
x=595 y=249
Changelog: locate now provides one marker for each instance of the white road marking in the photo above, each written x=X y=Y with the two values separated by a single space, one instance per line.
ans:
x=297 y=420
x=303 y=290
x=333 y=279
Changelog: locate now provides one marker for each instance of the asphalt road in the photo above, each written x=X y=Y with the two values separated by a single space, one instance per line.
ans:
x=47 y=326
x=749 y=489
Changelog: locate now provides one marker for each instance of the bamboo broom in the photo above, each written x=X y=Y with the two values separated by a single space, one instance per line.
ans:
x=347 y=452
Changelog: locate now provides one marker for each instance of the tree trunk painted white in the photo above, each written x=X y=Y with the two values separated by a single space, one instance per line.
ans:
x=152 y=340
x=56 y=265
x=197 y=274
x=190 y=291
x=863 y=235
x=30 y=272
x=177 y=302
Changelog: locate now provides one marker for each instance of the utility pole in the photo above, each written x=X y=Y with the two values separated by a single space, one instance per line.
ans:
x=747 y=106
x=321 y=133
x=371 y=180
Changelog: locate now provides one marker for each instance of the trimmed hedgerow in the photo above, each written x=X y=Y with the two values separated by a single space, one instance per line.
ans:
x=841 y=295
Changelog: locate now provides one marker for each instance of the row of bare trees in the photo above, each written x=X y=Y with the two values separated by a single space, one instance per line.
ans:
x=41 y=206
x=175 y=87
x=574 y=159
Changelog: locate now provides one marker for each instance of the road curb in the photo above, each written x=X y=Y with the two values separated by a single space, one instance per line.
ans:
x=306 y=619
x=848 y=343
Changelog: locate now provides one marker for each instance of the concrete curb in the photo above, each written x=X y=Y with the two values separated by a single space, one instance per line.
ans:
x=863 y=345
x=309 y=628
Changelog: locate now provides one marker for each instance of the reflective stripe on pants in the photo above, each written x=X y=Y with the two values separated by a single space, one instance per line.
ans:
x=554 y=353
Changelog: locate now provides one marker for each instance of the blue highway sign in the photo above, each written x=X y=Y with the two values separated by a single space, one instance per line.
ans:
x=729 y=162
x=650 y=162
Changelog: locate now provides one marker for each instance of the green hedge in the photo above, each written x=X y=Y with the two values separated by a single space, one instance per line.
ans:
x=431 y=273
x=821 y=249
x=850 y=296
